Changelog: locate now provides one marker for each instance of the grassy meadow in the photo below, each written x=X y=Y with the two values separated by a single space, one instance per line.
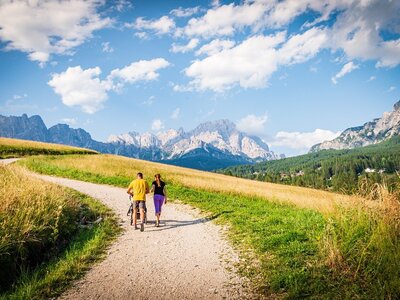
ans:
x=43 y=246
x=294 y=242
x=18 y=148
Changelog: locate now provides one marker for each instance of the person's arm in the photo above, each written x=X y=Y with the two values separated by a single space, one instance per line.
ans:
x=129 y=191
x=147 y=188
x=153 y=187
x=165 y=195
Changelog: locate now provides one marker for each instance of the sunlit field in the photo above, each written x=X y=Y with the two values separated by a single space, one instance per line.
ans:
x=18 y=148
x=121 y=167
x=42 y=247
x=295 y=242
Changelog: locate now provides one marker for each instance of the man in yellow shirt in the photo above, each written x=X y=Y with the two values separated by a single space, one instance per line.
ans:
x=138 y=189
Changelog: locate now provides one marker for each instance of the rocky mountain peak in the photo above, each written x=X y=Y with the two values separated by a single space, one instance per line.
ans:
x=376 y=131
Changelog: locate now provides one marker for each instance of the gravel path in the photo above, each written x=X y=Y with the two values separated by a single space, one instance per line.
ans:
x=185 y=258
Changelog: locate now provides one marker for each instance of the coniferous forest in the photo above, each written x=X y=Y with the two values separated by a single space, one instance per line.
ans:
x=347 y=171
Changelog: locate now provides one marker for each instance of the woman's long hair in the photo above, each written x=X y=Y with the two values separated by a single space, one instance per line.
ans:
x=158 y=179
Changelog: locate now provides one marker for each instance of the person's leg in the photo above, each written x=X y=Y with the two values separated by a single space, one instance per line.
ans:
x=141 y=207
x=135 y=215
x=157 y=207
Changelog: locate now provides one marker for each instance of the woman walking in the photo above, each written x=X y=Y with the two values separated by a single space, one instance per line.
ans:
x=160 y=196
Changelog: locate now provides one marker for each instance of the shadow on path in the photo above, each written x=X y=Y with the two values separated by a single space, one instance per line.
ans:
x=171 y=224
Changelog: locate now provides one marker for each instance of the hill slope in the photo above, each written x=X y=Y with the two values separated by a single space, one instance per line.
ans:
x=376 y=131
x=338 y=170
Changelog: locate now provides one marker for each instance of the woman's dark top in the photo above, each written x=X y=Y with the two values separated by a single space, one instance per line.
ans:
x=158 y=190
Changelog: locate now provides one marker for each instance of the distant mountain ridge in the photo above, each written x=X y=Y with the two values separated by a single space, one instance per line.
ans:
x=209 y=146
x=376 y=131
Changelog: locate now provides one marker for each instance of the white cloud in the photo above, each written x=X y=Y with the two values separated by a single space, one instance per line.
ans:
x=157 y=125
x=163 y=25
x=70 y=121
x=252 y=124
x=225 y=19
x=302 y=47
x=356 y=28
x=185 y=12
x=142 y=70
x=391 y=89
x=175 y=113
x=42 y=28
x=227 y=65
x=185 y=48
x=371 y=78
x=215 y=46
x=357 y=32
x=84 y=88
x=347 y=68
x=237 y=65
x=106 y=47
x=302 y=140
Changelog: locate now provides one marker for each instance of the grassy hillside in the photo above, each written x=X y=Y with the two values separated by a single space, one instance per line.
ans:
x=294 y=242
x=18 y=148
x=343 y=171
x=42 y=246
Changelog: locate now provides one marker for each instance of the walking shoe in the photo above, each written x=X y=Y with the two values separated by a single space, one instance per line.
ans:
x=141 y=227
x=136 y=227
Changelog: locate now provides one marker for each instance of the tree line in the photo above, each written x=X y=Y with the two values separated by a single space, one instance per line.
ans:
x=347 y=171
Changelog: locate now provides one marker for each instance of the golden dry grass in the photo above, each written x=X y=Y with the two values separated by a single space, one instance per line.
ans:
x=23 y=147
x=111 y=165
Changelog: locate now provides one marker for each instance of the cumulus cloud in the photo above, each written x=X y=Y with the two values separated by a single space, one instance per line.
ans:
x=142 y=70
x=84 y=88
x=225 y=19
x=358 y=28
x=356 y=31
x=302 y=47
x=181 y=12
x=302 y=140
x=391 y=89
x=157 y=125
x=175 y=113
x=252 y=124
x=160 y=26
x=42 y=28
x=185 y=48
x=215 y=46
x=347 y=68
x=237 y=65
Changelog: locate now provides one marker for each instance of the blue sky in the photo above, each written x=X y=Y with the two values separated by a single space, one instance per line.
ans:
x=292 y=72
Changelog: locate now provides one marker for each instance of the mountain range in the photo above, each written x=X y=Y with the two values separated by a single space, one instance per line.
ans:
x=209 y=146
x=373 y=132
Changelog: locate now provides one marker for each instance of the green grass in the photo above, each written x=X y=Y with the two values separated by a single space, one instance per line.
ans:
x=10 y=148
x=42 y=246
x=287 y=251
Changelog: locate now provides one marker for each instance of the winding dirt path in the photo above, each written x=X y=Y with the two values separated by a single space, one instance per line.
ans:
x=185 y=258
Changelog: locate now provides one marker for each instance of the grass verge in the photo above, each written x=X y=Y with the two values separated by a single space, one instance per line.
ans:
x=44 y=242
x=286 y=250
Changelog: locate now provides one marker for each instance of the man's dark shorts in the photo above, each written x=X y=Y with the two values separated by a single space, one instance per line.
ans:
x=139 y=204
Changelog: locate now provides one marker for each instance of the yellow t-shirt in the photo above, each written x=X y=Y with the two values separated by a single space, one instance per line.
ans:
x=139 y=187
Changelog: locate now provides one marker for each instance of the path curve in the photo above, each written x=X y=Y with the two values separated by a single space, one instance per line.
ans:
x=186 y=258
